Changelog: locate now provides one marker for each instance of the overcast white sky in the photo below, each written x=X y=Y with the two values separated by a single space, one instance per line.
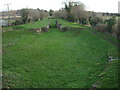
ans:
x=92 y=5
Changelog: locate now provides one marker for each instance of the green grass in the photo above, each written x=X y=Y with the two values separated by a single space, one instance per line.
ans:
x=68 y=24
x=6 y=28
x=105 y=35
x=32 y=25
x=72 y=59
x=108 y=76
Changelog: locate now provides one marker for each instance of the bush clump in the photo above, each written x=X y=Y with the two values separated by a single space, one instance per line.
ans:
x=17 y=22
x=101 y=27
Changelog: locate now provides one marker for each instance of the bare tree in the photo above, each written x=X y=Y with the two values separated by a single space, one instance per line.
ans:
x=56 y=14
x=60 y=14
x=33 y=15
x=63 y=14
x=43 y=13
x=78 y=12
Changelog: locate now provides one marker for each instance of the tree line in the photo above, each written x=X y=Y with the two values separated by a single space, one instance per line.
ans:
x=73 y=12
x=76 y=12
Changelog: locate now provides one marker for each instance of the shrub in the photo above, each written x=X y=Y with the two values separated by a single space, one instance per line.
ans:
x=71 y=18
x=110 y=23
x=115 y=31
x=83 y=21
x=101 y=27
x=118 y=28
x=94 y=21
x=17 y=22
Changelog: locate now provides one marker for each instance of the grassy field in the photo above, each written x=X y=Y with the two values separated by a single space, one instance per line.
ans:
x=54 y=59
